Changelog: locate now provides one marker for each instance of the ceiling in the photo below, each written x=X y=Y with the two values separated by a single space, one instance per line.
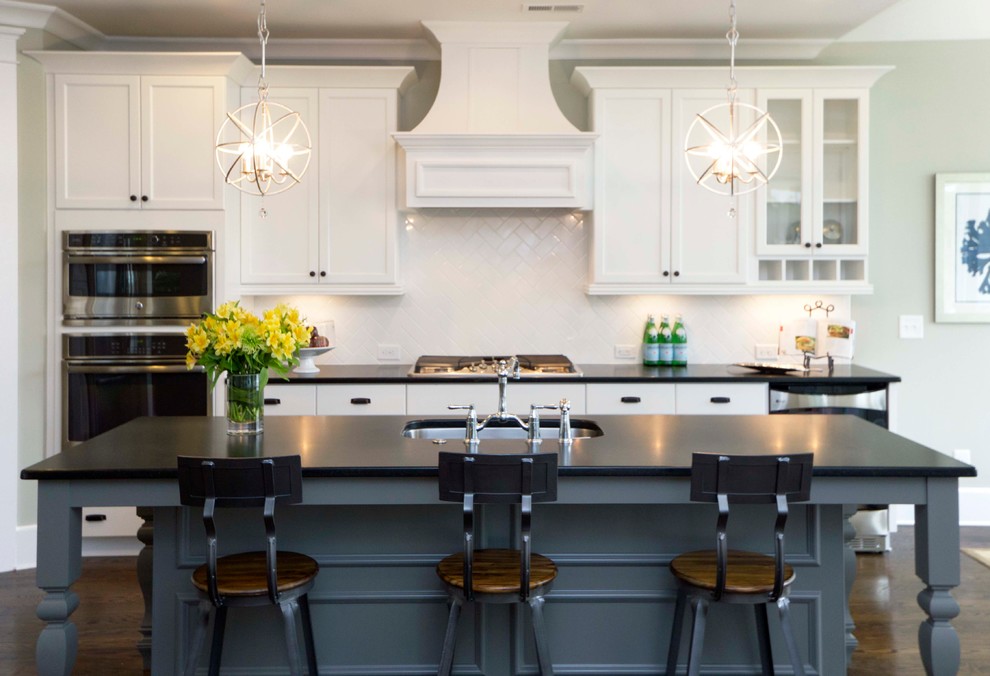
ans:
x=400 y=19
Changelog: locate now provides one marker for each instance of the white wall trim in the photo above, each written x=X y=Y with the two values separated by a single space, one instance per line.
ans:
x=26 y=544
x=974 y=509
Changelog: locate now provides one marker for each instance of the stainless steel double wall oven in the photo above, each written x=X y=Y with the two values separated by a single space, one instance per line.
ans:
x=118 y=281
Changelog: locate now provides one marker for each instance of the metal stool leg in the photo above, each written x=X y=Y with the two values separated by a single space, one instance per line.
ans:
x=308 y=635
x=763 y=636
x=216 y=650
x=198 y=637
x=540 y=634
x=449 y=638
x=784 y=607
x=290 y=610
x=699 y=607
x=675 y=632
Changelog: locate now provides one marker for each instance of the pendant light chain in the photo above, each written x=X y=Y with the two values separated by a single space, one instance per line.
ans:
x=733 y=37
x=263 y=38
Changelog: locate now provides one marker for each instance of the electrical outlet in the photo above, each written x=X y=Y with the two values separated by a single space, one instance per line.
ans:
x=765 y=351
x=389 y=352
x=911 y=326
x=626 y=352
x=963 y=455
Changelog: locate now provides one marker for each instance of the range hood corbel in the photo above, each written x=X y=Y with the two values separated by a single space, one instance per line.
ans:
x=495 y=136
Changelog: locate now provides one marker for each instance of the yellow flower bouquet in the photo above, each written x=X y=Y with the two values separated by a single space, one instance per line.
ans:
x=235 y=341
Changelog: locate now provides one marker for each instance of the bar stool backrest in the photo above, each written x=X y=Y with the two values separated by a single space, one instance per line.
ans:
x=475 y=478
x=238 y=483
x=726 y=479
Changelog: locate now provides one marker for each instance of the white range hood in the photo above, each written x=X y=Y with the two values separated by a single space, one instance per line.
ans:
x=495 y=136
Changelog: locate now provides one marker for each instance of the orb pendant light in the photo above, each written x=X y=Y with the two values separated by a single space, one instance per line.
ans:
x=263 y=148
x=733 y=148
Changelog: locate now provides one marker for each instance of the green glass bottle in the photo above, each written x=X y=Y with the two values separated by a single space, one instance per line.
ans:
x=651 y=343
x=666 y=342
x=679 y=340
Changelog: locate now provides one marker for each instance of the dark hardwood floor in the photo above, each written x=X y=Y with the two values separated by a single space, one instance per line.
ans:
x=883 y=605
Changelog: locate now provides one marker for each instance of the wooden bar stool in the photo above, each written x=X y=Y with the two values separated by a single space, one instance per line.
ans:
x=731 y=576
x=497 y=575
x=249 y=578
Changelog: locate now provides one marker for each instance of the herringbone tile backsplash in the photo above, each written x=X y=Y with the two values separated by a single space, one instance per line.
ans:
x=503 y=282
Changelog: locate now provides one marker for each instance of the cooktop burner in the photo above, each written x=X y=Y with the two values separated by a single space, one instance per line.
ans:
x=465 y=367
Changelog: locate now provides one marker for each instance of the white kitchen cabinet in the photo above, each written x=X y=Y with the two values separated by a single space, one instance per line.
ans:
x=812 y=219
x=337 y=231
x=433 y=399
x=290 y=399
x=137 y=142
x=631 y=399
x=361 y=399
x=722 y=399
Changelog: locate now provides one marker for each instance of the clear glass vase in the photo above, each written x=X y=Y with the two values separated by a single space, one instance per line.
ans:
x=245 y=403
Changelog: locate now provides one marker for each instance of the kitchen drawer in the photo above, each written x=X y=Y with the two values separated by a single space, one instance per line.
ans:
x=291 y=399
x=433 y=399
x=361 y=400
x=722 y=399
x=631 y=399
x=118 y=522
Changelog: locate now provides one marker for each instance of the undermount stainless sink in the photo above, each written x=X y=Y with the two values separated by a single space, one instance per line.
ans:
x=453 y=428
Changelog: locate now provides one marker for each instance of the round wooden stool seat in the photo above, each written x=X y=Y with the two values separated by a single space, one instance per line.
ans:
x=246 y=574
x=496 y=571
x=746 y=572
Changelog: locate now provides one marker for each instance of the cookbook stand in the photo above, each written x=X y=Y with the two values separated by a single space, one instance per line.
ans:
x=808 y=356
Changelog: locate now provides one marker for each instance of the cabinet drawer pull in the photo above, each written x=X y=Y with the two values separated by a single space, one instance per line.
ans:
x=272 y=401
x=361 y=400
x=720 y=400
x=630 y=400
x=96 y=517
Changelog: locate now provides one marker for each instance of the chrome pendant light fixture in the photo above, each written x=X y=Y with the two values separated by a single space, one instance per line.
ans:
x=726 y=145
x=263 y=148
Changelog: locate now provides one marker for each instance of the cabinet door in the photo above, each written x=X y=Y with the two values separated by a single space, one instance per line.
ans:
x=179 y=121
x=283 y=246
x=630 y=399
x=290 y=399
x=357 y=181
x=722 y=399
x=784 y=215
x=631 y=237
x=841 y=170
x=97 y=141
x=380 y=399
x=708 y=243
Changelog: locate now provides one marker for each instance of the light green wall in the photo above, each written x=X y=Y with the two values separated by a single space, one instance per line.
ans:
x=930 y=115
x=33 y=275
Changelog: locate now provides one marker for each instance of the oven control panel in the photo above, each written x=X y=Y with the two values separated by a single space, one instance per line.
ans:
x=124 y=345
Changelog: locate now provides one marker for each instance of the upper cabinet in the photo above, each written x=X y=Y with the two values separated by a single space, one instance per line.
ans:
x=137 y=130
x=336 y=232
x=656 y=231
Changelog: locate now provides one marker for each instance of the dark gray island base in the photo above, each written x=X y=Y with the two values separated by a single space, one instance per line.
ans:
x=372 y=519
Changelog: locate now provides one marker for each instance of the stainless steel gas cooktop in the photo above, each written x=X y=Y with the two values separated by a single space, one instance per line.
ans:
x=530 y=365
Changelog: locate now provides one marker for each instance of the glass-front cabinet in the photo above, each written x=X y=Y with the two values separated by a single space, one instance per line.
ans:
x=812 y=218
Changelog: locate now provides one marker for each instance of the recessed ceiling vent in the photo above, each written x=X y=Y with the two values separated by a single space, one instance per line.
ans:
x=543 y=8
x=495 y=136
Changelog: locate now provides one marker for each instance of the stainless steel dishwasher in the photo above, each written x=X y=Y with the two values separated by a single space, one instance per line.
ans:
x=865 y=400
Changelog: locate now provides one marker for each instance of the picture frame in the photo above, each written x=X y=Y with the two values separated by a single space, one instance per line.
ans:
x=962 y=248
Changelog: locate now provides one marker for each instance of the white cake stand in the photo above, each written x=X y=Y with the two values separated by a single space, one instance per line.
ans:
x=306 y=357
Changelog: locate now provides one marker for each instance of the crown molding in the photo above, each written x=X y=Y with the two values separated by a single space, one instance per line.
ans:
x=52 y=20
x=287 y=49
x=683 y=49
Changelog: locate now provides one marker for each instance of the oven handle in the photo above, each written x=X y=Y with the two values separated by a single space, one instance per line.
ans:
x=135 y=368
x=171 y=260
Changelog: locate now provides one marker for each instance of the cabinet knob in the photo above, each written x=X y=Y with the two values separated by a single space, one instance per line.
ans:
x=677 y=273
x=818 y=245
x=361 y=400
x=807 y=245
x=144 y=198
x=323 y=273
x=666 y=274
x=312 y=273
x=134 y=198
x=630 y=400
x=720 y=400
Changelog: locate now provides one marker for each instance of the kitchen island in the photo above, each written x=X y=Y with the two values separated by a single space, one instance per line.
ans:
x=372 y=519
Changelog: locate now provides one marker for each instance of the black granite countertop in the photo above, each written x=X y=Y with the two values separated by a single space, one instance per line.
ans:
x=372 y=446
x=599 y=373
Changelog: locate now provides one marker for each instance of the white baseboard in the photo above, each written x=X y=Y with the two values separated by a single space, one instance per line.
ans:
x=974 y=509
x=26 y=547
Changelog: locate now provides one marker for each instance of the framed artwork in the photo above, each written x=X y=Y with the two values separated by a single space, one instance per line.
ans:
x=962 y=247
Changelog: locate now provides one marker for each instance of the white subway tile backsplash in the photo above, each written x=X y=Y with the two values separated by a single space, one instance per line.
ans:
x=512 y=281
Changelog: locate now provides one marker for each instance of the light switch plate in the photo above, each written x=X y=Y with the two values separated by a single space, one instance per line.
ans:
x=626 y=352
x=389 y=352
x=765 y=352
x=911 y=326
